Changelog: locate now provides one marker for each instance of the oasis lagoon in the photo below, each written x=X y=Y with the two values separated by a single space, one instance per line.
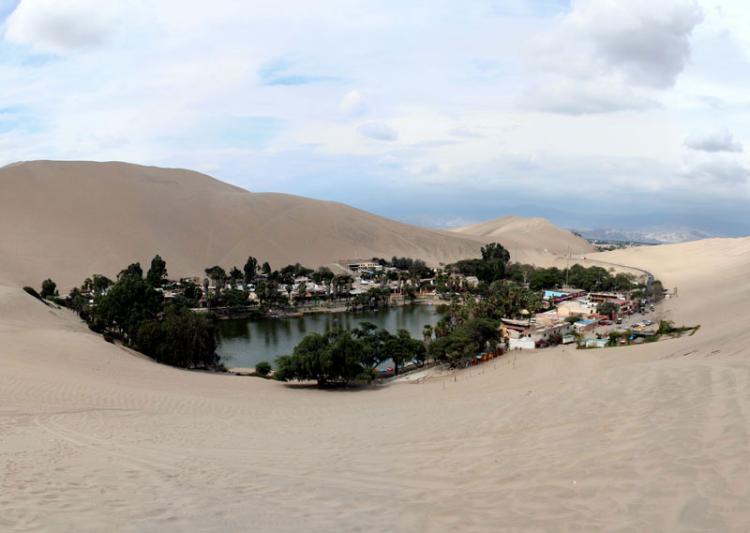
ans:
x=244 y=343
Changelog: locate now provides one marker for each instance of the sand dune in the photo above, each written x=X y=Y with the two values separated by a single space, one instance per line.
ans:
x=528 y=236
x=71 y=219
x=650 y=438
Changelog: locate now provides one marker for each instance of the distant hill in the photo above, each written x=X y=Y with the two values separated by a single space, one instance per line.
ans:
x=67 y=220
x=647 y=236
x=528 y=236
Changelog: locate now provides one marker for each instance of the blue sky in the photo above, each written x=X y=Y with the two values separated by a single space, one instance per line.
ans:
x=590 y=112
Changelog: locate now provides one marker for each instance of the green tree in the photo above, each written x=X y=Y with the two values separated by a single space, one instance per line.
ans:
x=495 y=251
x=49 y=289
x=183 y=338
x=323 y=275
x=96 y=284
x=127 y=303
x=236 y=275
x=609 y=309
x=427 y=334
x=233 y=298
x=218 y=275
x=342 y=283
x=250 y=269
x=401 y=348
x=301 y=290
x=157 y=273
x=263 y=368
x=344 y=356
x=76 y=300
x=545 y=278
x=133 y=270
x=656 y=291
x=192 y=293
x=465 y=341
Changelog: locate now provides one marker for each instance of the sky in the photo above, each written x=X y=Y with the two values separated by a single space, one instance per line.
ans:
x=593 y=113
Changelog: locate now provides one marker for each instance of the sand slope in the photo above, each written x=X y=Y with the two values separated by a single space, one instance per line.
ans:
x=528 y=236
x=651 y=438
x=71 y=219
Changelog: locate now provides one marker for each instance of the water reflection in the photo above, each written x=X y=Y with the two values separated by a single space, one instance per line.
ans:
x=244 y=342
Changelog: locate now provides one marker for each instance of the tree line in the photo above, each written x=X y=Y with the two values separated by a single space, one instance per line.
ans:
x=343 y=356
x=132 y=309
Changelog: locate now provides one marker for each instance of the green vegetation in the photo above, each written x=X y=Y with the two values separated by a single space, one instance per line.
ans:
x=416 y=268
x=133 y=310
x=461 y=343
x=491 y=267
x=263 y=368
x=49 y=289
x=32 y=292
x=181 y=338
x=609 y=309
x=374 y=298
x=250 y=270
x=157 y=273
x=217 y=275
x=591 y=279
x=667 y=327
x=153 y=314
x=342 y=356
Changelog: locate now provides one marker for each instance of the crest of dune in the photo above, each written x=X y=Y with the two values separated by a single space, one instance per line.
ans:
x=528 y=236
x=69 y=220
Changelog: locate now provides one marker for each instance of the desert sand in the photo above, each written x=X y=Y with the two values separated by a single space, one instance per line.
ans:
x=69 y=220
x=526 y=236
x=648 y=438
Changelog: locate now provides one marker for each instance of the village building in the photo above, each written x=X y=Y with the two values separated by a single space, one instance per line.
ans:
x=578 y=307
x=361 y=265
x=525 y=334
x=583 y=326
x=563 y=295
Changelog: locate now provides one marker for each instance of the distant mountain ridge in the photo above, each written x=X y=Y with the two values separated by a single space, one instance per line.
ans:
x=647 y=236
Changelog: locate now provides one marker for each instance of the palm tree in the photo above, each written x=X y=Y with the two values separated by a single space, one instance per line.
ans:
x=427 y=335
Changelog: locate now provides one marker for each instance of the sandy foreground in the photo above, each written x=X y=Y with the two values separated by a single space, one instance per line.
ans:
x=651 y=438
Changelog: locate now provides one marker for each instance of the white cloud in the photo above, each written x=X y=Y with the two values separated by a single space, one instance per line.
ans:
x=572 y=97
x=353 y=104
x=60 y=26
x=648 y=42
x=610 y=55
x=719 y=171
x=720 y=140
x=464 y=95
x=378 y=131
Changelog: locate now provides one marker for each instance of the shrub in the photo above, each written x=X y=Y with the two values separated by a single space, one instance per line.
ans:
x=49 y=289
x=263 y=368
x=32 y=292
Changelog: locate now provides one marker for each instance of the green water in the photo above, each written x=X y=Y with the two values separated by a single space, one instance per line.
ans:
x=243 y=343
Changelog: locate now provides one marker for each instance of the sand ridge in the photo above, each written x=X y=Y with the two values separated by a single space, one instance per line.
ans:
x=68 y=220
x=527 y=236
